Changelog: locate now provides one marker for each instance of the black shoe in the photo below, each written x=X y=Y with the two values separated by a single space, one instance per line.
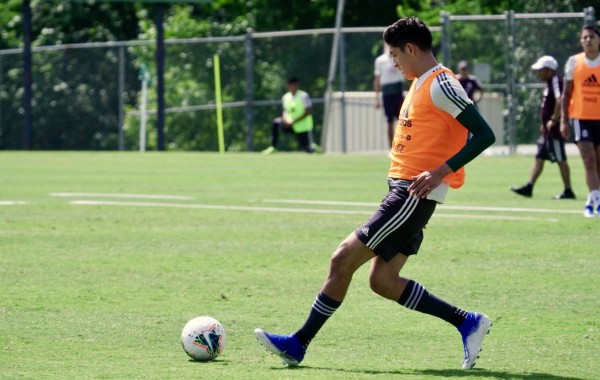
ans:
x=525 y=190
x=567 y=194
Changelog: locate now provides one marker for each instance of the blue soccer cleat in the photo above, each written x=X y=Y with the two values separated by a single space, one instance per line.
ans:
x=288 y=348
x=588 y=211
x=473 y=330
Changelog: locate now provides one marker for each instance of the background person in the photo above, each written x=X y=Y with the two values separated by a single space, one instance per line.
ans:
x=428 y=156
x=469 y=82
x=390 y=82
x=551 y=144
x=296 y=118
x=581 y=111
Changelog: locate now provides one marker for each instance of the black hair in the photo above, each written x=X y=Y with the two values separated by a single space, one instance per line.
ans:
x=293 y=80
x=592 y=28
x=408 y=30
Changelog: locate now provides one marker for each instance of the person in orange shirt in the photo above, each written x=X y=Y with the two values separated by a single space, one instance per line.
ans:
x=429 y=151
x=581 y=111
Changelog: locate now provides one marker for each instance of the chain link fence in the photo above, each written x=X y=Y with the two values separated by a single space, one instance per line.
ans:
x=88 y=96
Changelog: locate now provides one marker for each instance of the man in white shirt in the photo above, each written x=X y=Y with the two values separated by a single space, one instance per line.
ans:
x=390 y=82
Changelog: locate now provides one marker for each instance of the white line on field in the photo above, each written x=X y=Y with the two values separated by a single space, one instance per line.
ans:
x=12 y=203
x=282 y=209
x=439 y=207
x=118 y=195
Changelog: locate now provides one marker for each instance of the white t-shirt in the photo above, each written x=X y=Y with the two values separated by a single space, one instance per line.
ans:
x=570 y=65
x=384 y=68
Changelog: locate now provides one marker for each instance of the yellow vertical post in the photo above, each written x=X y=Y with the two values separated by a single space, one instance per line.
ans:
x=217 y=67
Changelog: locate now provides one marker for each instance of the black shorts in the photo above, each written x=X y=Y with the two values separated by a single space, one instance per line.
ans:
x=586 y=130
x=391 y=106
x=397 y=225
x=550 y=149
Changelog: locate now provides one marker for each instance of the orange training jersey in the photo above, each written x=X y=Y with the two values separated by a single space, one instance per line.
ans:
x=426 y=136
x=585 y=96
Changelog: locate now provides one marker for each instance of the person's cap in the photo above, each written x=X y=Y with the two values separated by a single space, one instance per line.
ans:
x=463 y=65
x=545 y=62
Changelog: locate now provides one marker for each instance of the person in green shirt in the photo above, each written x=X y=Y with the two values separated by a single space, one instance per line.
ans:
x=296 y=119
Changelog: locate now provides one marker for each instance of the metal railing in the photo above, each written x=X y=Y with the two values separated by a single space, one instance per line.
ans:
x=87 y=96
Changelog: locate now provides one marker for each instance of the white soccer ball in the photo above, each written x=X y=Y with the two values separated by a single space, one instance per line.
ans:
x=203 y=338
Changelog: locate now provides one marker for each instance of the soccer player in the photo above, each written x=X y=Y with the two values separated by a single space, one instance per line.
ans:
x=581 y=110
x=469 y=82
x=296 y=119
x=551 y=144
x=390 y=82
x=429 y=151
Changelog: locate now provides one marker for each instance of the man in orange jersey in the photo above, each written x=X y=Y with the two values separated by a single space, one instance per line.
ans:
x=581 y=110
x=429 y=151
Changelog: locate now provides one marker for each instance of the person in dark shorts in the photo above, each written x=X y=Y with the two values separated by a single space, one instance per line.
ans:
x=428 y=157
x=469 y=82
x=581 y=111
x=296 y=119
x=551 y=144
x=390 y=82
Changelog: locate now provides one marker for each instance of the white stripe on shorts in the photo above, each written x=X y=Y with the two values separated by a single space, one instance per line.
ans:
x=557 y=151
x=576 y=129
x=396 y=221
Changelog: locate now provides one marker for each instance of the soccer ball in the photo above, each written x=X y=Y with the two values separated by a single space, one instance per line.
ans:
x=203 y=338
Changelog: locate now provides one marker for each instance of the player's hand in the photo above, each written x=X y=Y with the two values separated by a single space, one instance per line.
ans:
x=551 y=124
x=425 y=182
x=565 y=128
x=377 y=105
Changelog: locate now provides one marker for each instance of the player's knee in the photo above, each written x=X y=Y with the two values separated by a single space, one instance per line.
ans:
x=379 y=283
x=341 y=263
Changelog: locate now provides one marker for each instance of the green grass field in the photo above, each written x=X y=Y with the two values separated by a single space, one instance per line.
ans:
x=90 y=289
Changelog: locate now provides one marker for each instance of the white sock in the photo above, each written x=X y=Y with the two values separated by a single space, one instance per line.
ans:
x=595 y=197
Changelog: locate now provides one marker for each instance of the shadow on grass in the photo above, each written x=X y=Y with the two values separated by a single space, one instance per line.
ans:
x=443 y=373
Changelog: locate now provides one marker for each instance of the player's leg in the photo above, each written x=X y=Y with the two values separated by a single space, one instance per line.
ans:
x=305 y=141
x=347 y=258
x=557 y=152
x=590 y=164
x=386 y=281
x=584 y=138
x=276 y=126
x=538 y=166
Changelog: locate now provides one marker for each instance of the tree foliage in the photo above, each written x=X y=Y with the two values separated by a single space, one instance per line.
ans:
x=74 y=91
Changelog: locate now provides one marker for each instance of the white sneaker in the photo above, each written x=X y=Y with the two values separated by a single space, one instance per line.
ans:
x=588 y=211
x=473 y=330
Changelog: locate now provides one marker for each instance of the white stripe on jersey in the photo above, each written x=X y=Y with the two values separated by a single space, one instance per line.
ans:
x=448 y=95
x=556 y=87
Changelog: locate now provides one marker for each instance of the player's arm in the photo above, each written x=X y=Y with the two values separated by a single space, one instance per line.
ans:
x=564 y=119
x=482 y=138
x=307 y=111
x=478 y=94
x=377 y=89
x=448 y=95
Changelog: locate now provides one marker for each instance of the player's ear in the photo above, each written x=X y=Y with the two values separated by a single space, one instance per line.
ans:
x=409 y=48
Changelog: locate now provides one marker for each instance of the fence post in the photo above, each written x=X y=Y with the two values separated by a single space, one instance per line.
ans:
x=121 y=117
x=510 y=90
x=446 y=39
x=342 y=62
x=249 y=91
x=27 y=80
x=160 y=77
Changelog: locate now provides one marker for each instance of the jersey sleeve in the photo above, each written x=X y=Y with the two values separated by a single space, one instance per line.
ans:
x=570 y=67
x=448 y=95
x=556 y=87
x=306 y=100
